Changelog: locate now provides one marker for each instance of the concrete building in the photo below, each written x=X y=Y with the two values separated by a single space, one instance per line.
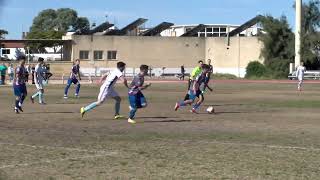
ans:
x=166 y=52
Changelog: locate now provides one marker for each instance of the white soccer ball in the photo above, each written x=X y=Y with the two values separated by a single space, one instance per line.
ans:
x=210 y=109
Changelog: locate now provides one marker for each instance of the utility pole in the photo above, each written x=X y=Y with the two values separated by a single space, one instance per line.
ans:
x=298 y=33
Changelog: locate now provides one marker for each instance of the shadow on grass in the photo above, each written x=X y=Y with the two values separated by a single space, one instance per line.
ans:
x=157 y=117
x=170 y=121
x=56 y=112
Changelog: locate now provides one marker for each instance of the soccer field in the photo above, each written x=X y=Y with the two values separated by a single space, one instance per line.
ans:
x=259 y=131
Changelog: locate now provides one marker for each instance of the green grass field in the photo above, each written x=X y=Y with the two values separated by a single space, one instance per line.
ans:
x=259 y=131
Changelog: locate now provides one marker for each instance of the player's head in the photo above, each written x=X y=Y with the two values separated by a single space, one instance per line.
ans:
x=22 y=60
x=77 y=62
x=301 y=63
x=121 y=66
x=40 y=60
x=200 y=62
x=144 y=69
x=209 y=61
x=205 y=68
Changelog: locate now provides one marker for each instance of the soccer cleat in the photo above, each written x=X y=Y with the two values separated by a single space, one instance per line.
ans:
x=131 y=121
x=118 y=116
x=16 y=110
x=65 y=96
x=176 y=107
x=194 y=111
x=20 y=108
x=32 y=100
x=82 y=111
x=43 y=103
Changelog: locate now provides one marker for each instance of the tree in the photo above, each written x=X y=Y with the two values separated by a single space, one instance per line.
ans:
x=2 y=33
x=82 y=24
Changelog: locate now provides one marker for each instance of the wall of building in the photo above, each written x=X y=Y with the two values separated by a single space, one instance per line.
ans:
x=170 y=52
x=233 y=59
x=135 y=50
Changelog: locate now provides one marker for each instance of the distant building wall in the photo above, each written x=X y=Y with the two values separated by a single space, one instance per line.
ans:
x=169 y=52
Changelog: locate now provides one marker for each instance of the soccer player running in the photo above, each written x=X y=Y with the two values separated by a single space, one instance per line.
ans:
x=19 y=84
x=300 y=75
x=136 y=98
x=195 y=91
x=74 y=78
x=39 y=77
x=107 y=90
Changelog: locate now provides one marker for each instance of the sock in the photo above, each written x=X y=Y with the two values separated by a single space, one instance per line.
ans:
x=90 y=106
x=78 y=89
x=66 y=89
x=117 y=107
x=35 y=95
x=40 y=97
x=22 y=98
x=132 y=113
x=196 y=106
x=17 y=103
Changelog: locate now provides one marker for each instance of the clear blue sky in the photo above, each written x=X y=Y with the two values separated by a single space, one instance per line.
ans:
x=16 y=15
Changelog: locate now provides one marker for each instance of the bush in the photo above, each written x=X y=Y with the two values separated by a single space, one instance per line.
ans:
x=256 y=69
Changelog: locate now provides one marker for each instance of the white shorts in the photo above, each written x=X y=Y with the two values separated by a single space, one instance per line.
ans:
x=39 y=86
x=106 y=92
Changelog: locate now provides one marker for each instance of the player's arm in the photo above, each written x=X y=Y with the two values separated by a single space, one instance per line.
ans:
x=145 y=86
x=210 y=89
x=124 y=80
x=103 y=78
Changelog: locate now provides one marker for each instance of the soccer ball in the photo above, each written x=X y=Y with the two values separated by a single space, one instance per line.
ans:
x=210 y=109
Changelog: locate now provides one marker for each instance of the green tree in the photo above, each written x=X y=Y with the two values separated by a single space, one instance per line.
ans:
x=82 y=24
x=3 y=33
x=278 y=49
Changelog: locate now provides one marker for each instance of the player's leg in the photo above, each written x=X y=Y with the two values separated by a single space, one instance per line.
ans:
x=300 y=85
x=188 y=100
x=112 y=93
x=196 y=106
x=24 y=93
x=78 y=85
x=101 y=98
x=66 y=89
x=133 y=108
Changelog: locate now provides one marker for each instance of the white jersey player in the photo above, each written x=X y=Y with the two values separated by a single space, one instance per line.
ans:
x=39 y=78
x=300 y=75
x=107 y=90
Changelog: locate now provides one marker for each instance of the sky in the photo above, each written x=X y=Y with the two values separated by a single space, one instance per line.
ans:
x=16 y=15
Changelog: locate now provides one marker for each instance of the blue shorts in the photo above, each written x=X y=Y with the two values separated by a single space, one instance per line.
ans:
x=72 y=80
x=20 y=89
x=137 y=100
x=193 y=96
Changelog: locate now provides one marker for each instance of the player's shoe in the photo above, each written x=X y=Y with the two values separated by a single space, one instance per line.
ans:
x=16 y=110
x=43 y=103
x=118 y=116
x=20 y=108
x=76 y=95
x=82 y=112
x=65 y=96
x=131 y=121
x=32 y=100
x=176 y=107
x=194 y=111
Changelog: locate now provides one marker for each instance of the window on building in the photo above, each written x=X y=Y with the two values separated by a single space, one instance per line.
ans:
x=5 y=51
x=98 y=55
x=215 y=35
x=84 y=55
x=223 y=34
x=209 y=29
x=112 y=55
x=223 y=30
x=216 y=30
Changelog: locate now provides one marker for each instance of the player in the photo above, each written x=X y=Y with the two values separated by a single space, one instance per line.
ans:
x=74 y=78
x=136 y=98
x=208 y=76
x=19 y=84
x=195 y=90
x=39 y=77
x=300 y=75
x=107 y=90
